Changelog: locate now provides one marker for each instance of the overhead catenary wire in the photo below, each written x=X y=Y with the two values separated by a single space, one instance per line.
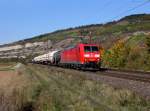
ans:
x=140 y=5
x=107 y=3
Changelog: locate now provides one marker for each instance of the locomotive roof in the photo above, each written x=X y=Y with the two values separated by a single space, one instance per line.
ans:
x=84 y=44
x=89 y=44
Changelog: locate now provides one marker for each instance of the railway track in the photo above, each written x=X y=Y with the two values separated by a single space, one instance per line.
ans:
x=130 y=75
x=123 y=74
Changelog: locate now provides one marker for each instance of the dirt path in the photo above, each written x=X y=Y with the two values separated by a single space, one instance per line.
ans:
x=12 y=78
x=6 y=78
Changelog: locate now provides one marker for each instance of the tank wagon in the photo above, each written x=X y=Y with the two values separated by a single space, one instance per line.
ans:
x=45 y=58
x=79 y=56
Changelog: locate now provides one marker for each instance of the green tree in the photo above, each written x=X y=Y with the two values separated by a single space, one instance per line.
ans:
x=117 y=55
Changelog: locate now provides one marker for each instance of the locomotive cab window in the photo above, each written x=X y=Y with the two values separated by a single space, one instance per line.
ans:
x=94 y=49
x=87 y=49
x=90 y=49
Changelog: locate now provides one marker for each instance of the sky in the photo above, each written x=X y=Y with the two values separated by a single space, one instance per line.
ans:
x=21 y=19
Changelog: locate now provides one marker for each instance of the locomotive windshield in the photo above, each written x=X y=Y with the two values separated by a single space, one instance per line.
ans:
x=90 y=48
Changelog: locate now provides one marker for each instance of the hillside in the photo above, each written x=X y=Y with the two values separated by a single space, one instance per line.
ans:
x=126 y=26
x=126 y=42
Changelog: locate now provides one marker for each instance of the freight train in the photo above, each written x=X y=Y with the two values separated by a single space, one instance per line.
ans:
x=79 y=56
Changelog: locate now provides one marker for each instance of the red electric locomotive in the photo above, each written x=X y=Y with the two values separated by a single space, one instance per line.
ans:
x=81 y=56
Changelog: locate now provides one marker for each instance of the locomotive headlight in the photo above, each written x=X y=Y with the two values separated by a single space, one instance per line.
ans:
x=86 y=55
x=97 y=55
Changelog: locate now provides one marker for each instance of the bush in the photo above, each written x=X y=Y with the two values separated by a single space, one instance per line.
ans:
x=134 y=53
x=117 y=55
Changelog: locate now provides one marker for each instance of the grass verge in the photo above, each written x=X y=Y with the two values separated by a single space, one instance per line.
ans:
x=54 y=89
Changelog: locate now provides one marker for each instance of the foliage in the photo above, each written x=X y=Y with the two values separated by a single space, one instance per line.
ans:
x=129 y=54
x=116 y=56
x=148 y=43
